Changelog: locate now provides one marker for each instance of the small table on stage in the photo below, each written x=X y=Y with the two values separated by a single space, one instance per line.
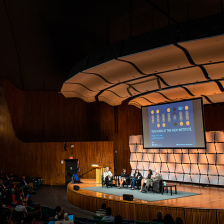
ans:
x=166 y=188
x=99 y=173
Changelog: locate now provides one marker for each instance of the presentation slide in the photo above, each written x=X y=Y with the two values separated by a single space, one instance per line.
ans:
x=174 y=125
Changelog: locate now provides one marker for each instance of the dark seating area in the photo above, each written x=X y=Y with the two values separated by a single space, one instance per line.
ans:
x=17 y=207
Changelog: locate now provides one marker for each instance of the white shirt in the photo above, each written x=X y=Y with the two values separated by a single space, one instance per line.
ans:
x=109 y=174
x=21 y=208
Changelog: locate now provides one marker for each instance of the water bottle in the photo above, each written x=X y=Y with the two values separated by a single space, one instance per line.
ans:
x=164 y=183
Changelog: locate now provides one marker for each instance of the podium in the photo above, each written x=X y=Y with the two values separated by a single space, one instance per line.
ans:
x=99 y=172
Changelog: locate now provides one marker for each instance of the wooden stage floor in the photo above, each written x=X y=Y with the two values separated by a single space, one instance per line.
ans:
x=209 y=198
x=205 y=208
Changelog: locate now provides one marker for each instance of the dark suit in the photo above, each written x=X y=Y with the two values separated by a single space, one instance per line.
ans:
x=125 y=175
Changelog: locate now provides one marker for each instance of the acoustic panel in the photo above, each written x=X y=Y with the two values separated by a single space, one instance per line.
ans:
x=219 y=136
x=204 y=179
x=219 y=147
x=183 y=165
x=213 y=179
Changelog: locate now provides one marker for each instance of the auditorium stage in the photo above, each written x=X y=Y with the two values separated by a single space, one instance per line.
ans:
x=206 y=206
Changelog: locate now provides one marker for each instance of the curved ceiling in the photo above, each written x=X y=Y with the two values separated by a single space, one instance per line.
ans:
x=169 y=73
x=41 y=41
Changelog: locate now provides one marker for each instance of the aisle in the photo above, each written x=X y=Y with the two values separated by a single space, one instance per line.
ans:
x=53 y=196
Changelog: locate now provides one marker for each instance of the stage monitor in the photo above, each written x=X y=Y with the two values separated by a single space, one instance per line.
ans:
x=174 y=125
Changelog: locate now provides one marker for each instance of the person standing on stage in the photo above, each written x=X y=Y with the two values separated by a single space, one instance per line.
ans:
x=144 y=180
x=107 y=176
x=137 y=177
x=124 y=177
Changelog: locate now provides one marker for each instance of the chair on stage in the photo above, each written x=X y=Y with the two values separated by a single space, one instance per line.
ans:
x=138 y=183
x=157 y=186
x=110 y=183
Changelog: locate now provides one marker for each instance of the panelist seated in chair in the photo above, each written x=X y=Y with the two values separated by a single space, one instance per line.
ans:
x=144 y=180
x=156 y=178
x=124 y=178
x=136 y=179
x=107 y=176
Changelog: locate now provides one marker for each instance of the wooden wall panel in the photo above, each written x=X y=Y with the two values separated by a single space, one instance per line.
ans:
x=213 y=116
x=43 y=159
x=46 y=116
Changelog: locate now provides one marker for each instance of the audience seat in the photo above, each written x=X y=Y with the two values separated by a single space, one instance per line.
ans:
x=141 y=222
x=105 y=222
x=17 y=216
x=97 y=217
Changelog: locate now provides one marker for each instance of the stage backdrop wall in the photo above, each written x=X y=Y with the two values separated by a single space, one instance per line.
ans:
x=43 y=159
x=204 y=166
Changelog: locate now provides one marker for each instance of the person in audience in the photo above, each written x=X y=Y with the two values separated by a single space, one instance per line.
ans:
x=58 y=210
x=1 y=208
x=13 y=188
x=37 y=217
x=19 y=194
x=23 y=181
x=137 y=176
x=102 y=210
x=37 y=207
x=11 y=176
x=159 y=216
x=157 y=177
x=7 y=217
x=27 y=187
x=28 y=219
x=7 y=202
x=2 y=187
x=107 y=176
x=108 y=217
x=20 y=207
x=124 y=177
x=178 y=220
x=16 y=195
x=144 y=180
x=168 y=219
x=61 y=219
x=118 y=219
x=1 y=174
x=30 y=203
x=8 y=181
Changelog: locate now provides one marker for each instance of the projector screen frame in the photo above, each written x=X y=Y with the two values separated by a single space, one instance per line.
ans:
x=203 y=124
